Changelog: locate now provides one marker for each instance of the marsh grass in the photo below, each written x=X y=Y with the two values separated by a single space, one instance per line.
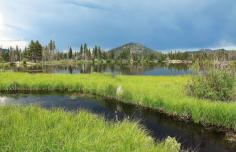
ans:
x=34 y=129
x=164 y=93
x=4 y=66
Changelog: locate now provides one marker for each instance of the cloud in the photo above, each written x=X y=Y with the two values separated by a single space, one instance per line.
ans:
x=13 y=43
x=159 y=24
x=86 y=4
x=226 y=45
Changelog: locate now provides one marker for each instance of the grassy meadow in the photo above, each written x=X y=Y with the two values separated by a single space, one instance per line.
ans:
x=164 y=93
x=4 y=65
x=34 y=129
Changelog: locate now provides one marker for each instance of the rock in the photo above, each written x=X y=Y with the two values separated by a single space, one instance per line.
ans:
x=119 y=91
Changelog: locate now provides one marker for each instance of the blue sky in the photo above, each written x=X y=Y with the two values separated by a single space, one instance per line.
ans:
x=158 y=24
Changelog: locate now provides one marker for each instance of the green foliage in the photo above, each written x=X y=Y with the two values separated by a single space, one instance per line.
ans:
x=179 y=55
x=5 y=55
x=35 y=129
x=70 y=53
x=52 y=45
x=212 y=82
x=24 y=62
x=129 y=53
x=34 y=51
x=110 y=91
x=49 y=52
x=134 y=52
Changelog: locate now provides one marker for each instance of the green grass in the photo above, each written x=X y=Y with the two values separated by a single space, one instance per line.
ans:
x=4 y=65
x=34 y=129
x=165 y=93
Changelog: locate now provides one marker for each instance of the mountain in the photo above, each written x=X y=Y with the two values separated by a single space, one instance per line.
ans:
x=2 y=50
x=133 y=48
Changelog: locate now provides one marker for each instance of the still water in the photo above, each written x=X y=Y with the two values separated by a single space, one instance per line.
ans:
x=191 y=136
x=156 y=69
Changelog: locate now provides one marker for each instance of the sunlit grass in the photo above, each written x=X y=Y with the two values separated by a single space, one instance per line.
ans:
x=4 y=65
x=166 y=93
x=33 y=129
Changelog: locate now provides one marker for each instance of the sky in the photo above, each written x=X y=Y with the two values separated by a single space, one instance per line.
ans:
x=158 y=24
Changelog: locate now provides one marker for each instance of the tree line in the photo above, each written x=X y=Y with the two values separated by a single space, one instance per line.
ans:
x=201 y=55
x=36 y=52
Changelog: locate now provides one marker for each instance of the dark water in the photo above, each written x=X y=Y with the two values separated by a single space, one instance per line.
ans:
x=156 y=69
x=191 y=136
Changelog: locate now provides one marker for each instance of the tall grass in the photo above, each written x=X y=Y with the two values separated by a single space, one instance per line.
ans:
x=33 y=129
x=165 y=93
x=4 y=66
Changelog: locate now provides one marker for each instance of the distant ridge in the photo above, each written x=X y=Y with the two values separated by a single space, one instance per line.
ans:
x=2 y=50
x=135 y=48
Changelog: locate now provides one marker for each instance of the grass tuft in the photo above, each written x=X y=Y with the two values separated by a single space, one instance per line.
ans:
x=34 y=129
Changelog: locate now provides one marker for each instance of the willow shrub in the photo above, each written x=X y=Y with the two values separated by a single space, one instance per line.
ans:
x=212 y=81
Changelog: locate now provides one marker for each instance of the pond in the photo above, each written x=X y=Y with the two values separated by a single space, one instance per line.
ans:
x=155 y=69
x=191 y=136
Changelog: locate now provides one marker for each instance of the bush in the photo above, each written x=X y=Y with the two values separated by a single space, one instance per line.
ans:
x=24 y=62
x=12 y=64
x=212 y=82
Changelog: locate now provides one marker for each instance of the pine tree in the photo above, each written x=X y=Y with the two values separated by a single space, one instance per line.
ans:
x=95 y=52
x=88 y=54
x=51 y=51
x=5 y=55
x=35 y=51
x=52 y=45
x=81 y=52
x=99 y=55
x=85 y=51
x=70 y=54
x=112 y=55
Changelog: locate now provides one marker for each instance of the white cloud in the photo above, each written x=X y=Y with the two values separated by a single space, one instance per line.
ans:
x=7 y=36
x=3 y=29
x=13 y=43
x=225 y=45
x=161 y=24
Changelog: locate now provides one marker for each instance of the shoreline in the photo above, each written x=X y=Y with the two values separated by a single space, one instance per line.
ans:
x=184 y=119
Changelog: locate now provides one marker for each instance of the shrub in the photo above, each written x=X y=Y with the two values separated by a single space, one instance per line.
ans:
x=24 y=62
x=12 y=63
x=212 y=81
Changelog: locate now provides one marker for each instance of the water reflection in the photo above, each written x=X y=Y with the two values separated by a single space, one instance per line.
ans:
x=155 y=69
x=191 y=136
